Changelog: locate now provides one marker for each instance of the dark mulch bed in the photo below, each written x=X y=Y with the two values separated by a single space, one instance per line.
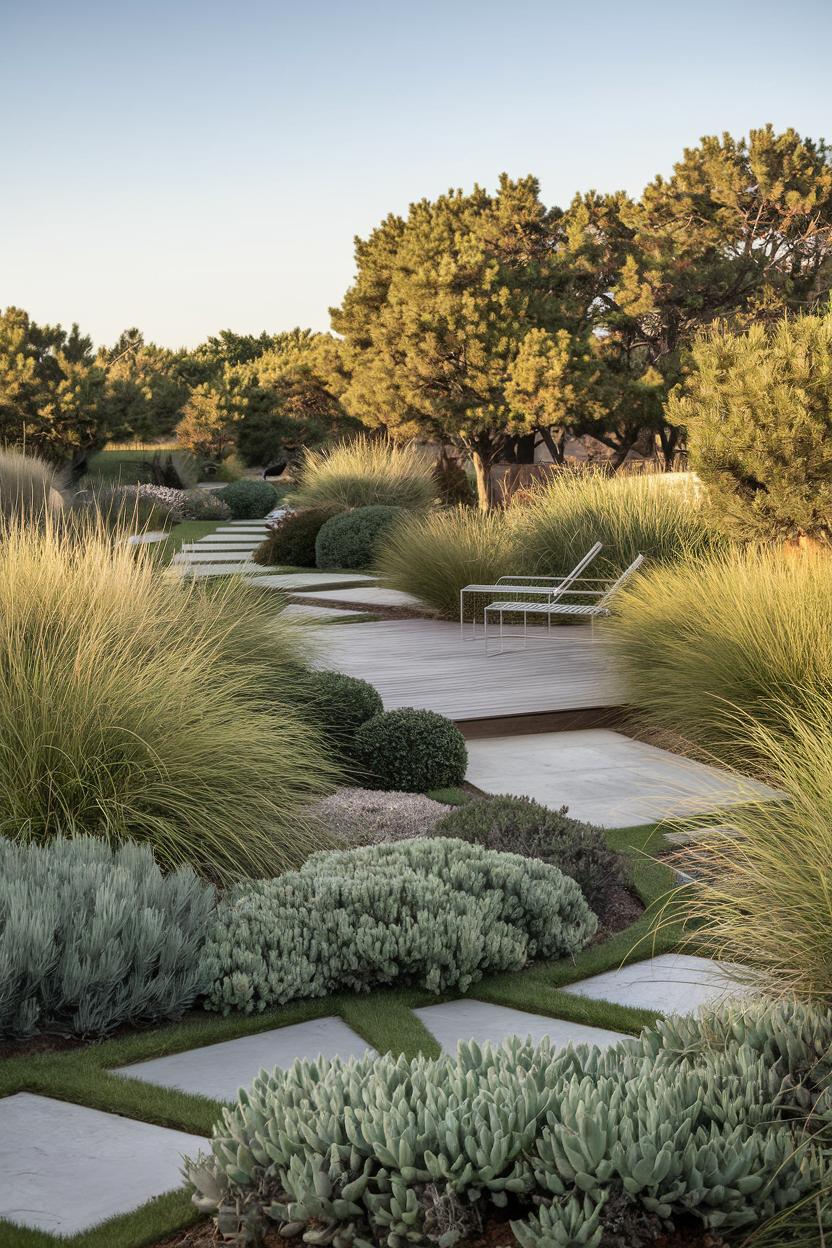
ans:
x=495 y=1234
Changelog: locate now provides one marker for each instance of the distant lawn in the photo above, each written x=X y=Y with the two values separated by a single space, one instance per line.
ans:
x=123 y=465
x=187 y=531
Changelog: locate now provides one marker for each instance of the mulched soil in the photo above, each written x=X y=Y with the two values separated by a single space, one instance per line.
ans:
x=623 y=908
x=495 y=1234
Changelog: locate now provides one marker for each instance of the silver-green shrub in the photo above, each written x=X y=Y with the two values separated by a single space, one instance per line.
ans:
x=710 y=1118
x=439 y=913
x=91 y=937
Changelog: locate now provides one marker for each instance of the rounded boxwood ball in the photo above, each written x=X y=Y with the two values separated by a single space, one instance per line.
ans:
x=411 y=751
x=350 y=540
x=341 y=704
x=292 y=543
x=249 y=499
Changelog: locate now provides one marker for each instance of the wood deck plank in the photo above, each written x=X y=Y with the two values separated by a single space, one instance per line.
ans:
x=423 y=663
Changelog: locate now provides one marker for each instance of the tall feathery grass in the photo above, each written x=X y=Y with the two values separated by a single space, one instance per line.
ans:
x=747 y=631
x=545 y=532
x=435 y=554
x=557 y=522
x=365 y=471
x=135 y=704
x=762 y=890
x=27 y=487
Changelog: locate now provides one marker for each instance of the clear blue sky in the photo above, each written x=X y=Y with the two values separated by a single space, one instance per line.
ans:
x=190 y=166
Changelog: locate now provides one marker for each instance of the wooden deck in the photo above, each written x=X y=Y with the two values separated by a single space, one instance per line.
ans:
x=424 y=663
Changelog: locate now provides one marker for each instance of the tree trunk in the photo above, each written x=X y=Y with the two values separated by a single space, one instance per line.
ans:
x=555 y=446
x=485 y=486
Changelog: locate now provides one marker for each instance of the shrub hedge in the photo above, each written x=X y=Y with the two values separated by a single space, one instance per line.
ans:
x=520 y=825
x=341 y=704
x=351 y=539
x=438 y=913
x=292 y=542
x=411 y=750
x=92 y=937
x=708 y=1119
x=248 y=499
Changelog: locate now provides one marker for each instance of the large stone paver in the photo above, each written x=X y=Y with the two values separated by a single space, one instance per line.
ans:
x=480 y=1020
x=220 y=1070
x=208 y=556
x=308 y=580
x=604 y=777
x=374 y=596
x=66 y=1168
x=301 y=611
x=671 y=983
x=231 y=539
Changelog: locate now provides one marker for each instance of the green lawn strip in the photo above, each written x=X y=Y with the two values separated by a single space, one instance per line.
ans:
x=186 y=531
x=122 y=467
x=386 y=1021
x=450 y=797
x=163 y=1216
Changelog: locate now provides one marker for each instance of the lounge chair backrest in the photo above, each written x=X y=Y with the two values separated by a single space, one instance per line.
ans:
x=625 y=575
x=577 y=570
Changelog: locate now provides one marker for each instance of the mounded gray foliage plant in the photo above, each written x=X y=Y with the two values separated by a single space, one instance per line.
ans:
x=712 y=1118
x=438 y=913
x=91 y=938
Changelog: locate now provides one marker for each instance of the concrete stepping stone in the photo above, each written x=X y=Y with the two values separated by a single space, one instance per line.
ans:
x=374 y=596
x=220 y=538
x=66 y=1167
x=220 y=1070
x=604 y=777
x=308 y=580
x=214 y=569
x=300 y=611
x=480 y=1020
x=671 y=983
x=207 y=556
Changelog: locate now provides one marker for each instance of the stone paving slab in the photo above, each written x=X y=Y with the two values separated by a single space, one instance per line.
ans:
x=220 y=538
x=300 y=611
x=215 y=569
x=671 y=983
x=480 y=1020
x=220 y=1070
x=66 y=1168
x=604 y=777
x=207 y=556
x=375 y=596
x=308 y=580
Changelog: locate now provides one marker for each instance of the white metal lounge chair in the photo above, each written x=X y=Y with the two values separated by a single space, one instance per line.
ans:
x=542 y=587
x=554 y=606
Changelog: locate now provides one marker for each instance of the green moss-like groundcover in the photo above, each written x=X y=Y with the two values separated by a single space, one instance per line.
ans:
x=384 y=1019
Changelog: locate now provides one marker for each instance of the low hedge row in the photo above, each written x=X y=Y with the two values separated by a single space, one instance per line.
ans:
x=438 y=913
x=705 y=1118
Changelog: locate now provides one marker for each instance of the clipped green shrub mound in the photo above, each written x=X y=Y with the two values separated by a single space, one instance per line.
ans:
x=27 y=487
x=292 y=543
x=438 y=913
x=351 y=539
x=708 y=1119
x=411 y=750
x=92 y=937
x=740 y=633
x=152 y=708
x=520 y=825
x=248 y=499
x=340 y=704
x=365 y=471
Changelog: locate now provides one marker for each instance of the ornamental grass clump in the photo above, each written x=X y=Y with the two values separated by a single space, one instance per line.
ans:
x=364 y=472
x=760 y=891
x=93 y=937
x=27 y=487
x=139 y=704
x=741 y=631
x=438 y=913
x=435 y=555
x=655 y=515
x=722 y=1120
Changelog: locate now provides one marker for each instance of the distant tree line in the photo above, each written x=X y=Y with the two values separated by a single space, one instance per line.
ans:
x=486 y=322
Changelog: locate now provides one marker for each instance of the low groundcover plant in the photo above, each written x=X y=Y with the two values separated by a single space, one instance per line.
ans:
x=439 y=913
x=708 y=1118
